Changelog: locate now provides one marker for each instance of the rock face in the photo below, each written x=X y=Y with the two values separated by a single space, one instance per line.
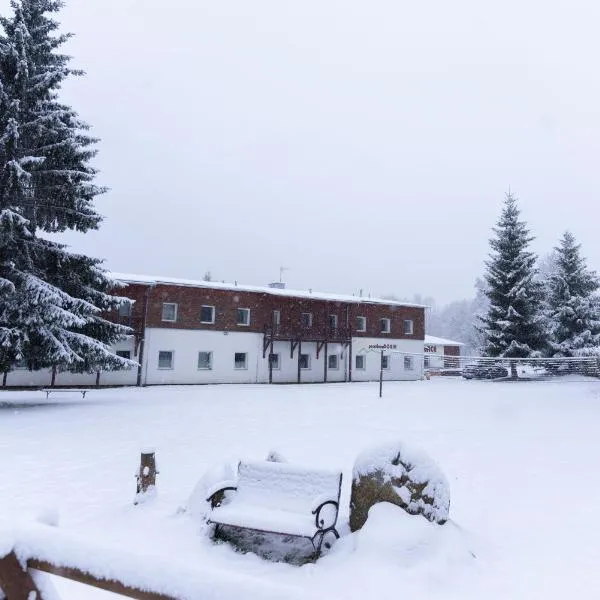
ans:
x=402 y=476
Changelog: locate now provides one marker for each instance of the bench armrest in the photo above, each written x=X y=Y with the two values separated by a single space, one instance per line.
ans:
x=215 y=493
x=320 y=520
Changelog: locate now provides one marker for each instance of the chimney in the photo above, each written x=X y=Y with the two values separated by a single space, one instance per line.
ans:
x=278 y=285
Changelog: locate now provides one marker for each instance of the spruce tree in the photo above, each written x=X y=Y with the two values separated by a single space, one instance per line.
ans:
x=574 y=306
x=513 y=324
x=52 y=301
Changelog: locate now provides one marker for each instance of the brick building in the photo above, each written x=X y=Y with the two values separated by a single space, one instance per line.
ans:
x=193 y=332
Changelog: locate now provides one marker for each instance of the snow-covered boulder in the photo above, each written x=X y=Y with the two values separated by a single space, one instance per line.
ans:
x=403 y=476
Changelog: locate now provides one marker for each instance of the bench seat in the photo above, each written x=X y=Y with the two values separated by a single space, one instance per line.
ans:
x=279 y=498
x=265 y=519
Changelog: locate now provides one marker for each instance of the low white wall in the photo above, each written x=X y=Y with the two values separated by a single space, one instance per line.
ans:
x=186 y=344
x=43 y=377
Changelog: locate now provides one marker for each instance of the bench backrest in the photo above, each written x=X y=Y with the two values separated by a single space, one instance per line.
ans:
x=284 y=486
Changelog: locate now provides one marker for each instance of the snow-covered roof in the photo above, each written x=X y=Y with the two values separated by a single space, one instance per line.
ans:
x=430 y=339
x=215 y=285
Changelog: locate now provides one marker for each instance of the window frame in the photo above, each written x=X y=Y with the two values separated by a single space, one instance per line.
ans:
x=337 y=362
x=411 y=328
x=335 y=321
x=214 y=314
x=411 y=363
x=386 y=359
x=162 y=315
x=308 y=362
x=129 y=306
x=389 y=325
x=210 y=360
x=364 y=321
x=364 y=362
x=170 y=368
x=276 y=367
x=310 y=320
x=237 y=322
x=245 y=367
x=276 y=318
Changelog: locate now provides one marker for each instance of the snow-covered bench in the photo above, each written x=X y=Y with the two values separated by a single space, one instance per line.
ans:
x=280 y=498
x=49 y=391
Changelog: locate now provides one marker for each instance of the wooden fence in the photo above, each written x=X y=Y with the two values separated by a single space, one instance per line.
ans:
x=46 y=549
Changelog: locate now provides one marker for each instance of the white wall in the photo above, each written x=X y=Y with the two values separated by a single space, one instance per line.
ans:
x=396 y=369
x=187 y=343
x=43 y=377
x=288 y=367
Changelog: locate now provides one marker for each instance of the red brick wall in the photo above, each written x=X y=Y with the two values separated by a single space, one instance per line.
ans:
x=262 y=305
x=452 y=350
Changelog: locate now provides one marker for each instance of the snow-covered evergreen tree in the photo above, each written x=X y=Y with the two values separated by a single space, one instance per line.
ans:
x=573 y=303
x=52 y=301
x=513 y=326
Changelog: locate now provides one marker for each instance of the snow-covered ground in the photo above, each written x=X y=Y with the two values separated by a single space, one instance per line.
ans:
x=522 y=459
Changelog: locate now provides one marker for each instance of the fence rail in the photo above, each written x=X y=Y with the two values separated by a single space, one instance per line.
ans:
x=49 y=550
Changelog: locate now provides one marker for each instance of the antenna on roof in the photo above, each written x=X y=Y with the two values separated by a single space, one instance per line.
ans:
x=281 y=272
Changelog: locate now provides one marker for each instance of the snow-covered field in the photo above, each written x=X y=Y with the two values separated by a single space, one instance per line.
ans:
x=522 y=459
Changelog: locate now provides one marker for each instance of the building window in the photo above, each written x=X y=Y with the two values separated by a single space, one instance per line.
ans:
x=274 y=361
x=426 y=362
x=333 y=361
x=276 y=318
x=408 y=363
x=385 y=325
x=124 y=354
x=385 y=362
x=240 y=360
x=360 y=362
x=305 y=361
x=205 y=361
x=306 y=319
x=408 y=327
x=169 y=312
x=125 y=309
x=165 y=359
x=333 y=321
x=361 y=323
x=207 y=314
x=243 y=316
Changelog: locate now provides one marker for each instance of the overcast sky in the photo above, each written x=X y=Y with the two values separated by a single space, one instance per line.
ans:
x=361 y=144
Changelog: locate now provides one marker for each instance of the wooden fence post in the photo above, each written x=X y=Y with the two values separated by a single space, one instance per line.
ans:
x=16 y=583
x=146 y=476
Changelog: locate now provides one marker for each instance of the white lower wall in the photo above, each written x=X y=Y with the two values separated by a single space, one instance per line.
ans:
x=43 y=377
x=186 y=344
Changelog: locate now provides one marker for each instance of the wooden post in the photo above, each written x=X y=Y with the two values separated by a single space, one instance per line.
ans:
x=381 y=376
x=146 y=477
x=16 y=583
x=271 y=362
